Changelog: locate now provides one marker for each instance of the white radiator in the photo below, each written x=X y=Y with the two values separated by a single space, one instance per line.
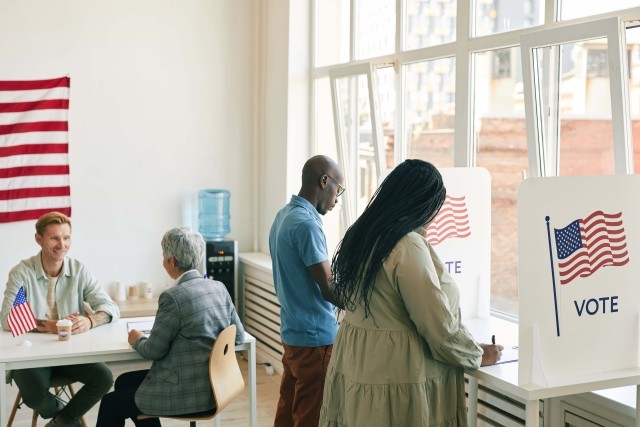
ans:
x=259 y=308
x=498 y=409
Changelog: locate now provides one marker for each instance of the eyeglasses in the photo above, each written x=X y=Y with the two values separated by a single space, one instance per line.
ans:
x=340 y=187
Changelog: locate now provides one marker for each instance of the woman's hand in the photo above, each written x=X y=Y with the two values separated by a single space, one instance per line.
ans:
x=134 y=334
x=491 y=353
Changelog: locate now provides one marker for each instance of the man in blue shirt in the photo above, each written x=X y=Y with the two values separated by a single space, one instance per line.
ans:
x=302 y=277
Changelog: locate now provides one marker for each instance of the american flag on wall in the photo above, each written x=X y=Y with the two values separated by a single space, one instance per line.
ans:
x=451 y=221
x=586 y=245
x=34 y=161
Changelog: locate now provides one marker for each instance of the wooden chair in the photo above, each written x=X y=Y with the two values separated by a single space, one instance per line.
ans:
x=61 y=386
x=224 y=373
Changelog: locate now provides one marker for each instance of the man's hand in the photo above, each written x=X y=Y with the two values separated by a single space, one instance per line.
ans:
x=80 y=323
x=47 y=326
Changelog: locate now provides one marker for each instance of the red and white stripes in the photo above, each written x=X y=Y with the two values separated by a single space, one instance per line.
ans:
x=34 y=146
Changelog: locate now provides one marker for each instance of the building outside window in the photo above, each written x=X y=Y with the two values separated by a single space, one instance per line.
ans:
x=461 y=102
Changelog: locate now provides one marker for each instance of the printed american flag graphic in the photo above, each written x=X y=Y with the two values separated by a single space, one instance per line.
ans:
x=34 y=161
x=586 y=245
x=451 y=221
x=21 y=318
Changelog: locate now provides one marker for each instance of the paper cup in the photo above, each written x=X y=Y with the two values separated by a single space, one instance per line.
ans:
x=147 y=290
x=64 y=329
x=120 y=295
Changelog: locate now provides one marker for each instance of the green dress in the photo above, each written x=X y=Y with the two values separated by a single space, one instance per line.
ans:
x=404 y=365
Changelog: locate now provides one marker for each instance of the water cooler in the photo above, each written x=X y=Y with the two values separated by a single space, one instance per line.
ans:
x=222 y=265
x=221 y=261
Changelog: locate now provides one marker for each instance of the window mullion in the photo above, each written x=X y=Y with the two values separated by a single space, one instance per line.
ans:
x=464 y=140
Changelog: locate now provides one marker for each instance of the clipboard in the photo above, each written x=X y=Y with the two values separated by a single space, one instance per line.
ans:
x=144 y=326
x=509 y=354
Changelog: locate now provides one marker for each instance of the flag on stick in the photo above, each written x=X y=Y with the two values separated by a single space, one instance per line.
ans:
x=21 y=318
x=451 y=221
x=34 y=164
x=586 y=245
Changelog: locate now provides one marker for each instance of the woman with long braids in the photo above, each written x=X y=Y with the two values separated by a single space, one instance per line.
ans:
x=401 y=349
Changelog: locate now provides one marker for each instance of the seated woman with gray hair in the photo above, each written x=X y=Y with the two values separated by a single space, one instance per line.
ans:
x=190 y=316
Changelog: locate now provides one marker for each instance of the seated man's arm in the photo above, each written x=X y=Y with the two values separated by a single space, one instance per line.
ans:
x=105 y=310
x=99 y=318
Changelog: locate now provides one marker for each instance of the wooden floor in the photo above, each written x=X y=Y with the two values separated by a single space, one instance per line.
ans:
x=235 y=415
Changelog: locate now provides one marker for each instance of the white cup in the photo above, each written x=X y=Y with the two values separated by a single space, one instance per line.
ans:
x=120 y=294
x=147 y=290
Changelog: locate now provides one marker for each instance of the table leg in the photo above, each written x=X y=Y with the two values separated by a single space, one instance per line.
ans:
x=472 y=402
x=253 y=401
x=3 y=395
x=638 y=405
x=532 y=418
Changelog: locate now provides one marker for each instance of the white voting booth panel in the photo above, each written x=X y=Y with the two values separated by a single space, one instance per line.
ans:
x=579 y=265
x=461 y=236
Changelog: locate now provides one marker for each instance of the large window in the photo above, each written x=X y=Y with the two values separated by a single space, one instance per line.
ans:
x=325 y=137
x=443 y=81
x=429 y=23
x=359 y=134
x=501 y=140
x=429 y=93
x=570 y=9
x=332 y=32
x=495 y=16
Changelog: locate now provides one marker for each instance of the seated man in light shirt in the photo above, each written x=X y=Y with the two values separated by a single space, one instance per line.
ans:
x=58 y=287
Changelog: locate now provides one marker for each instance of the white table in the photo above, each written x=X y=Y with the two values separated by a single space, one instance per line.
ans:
x=106 y=343
x=504 y=377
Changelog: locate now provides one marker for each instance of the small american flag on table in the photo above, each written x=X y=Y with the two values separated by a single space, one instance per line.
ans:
x=21 y=318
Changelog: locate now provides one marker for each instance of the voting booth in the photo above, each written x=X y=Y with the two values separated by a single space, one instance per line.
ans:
x=461 y=236
x=579 y=266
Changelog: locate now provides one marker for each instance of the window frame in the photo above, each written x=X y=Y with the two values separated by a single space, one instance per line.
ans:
x=543 y=130
x=462 y=51
x=346 y=157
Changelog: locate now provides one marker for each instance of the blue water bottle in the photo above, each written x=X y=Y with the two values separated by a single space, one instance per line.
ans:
x=214 y=214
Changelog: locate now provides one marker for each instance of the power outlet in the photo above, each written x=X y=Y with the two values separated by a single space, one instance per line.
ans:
x=268 y=368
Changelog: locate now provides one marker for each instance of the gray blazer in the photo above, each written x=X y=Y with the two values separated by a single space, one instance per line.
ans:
x=190 y=316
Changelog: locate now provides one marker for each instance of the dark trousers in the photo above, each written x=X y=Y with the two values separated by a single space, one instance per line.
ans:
x=302 y=385
x=34 y=385
x=120 y=404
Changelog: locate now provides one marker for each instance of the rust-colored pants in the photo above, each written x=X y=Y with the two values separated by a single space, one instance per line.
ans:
x=302 y=385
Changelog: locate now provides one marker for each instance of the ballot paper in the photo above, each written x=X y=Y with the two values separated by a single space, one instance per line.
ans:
x=509 y=354
x=144 y=326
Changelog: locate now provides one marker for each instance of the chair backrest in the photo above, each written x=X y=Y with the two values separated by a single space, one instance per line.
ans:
x=224 y=371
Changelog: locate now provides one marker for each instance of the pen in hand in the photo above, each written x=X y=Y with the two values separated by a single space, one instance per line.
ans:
x=491 y=353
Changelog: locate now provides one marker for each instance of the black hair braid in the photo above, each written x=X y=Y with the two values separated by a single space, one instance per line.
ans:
x=408 y=198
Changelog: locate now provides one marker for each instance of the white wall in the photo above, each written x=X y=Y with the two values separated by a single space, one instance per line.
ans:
x=283 y=107
x=162 y=105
